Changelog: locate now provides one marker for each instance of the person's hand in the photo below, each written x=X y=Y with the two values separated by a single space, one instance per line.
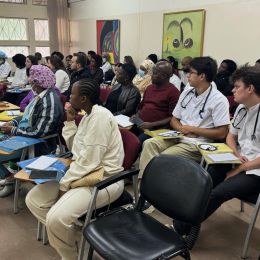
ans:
x=233 y=172
x=146 y=125
x=71 y=114
x=6 y=129
x=131 y=119
x=242 y=159
x=186 y=129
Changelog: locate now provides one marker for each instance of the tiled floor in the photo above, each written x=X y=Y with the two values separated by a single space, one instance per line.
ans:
x=221 y=238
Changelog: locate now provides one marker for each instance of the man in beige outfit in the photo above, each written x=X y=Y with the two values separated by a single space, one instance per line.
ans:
x=95 y=142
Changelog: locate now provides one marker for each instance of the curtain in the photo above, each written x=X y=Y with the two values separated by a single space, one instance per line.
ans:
x=58 y=13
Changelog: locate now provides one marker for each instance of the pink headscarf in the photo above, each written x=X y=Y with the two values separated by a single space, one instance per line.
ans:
x=42 y=76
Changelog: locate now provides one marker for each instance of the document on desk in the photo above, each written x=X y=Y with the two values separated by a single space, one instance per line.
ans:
x=220 y=157
x=43 y=162
x=123 y=121
x=13 y=113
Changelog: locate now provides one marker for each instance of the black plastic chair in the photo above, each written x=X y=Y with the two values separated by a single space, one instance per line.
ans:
x=177 y=187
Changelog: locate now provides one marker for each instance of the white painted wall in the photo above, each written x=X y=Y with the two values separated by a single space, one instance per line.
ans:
x=231 y=28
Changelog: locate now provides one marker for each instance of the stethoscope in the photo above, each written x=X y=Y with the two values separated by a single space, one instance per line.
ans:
x=235 y=125
x=192 y=91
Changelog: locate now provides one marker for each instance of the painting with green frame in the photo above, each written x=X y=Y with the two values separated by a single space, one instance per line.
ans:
x=183 y=34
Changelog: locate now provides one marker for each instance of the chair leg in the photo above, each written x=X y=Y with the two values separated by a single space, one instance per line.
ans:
x=250 y=228
x=90 y=253
x=39 y=231
x=242 y=206
x=44 y=235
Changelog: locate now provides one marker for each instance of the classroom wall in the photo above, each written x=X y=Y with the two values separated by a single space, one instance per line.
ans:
x=230 y=27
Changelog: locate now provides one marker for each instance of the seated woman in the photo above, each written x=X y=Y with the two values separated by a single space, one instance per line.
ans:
x=20 y=77
x=144 y=77
x=61 y=75
x=58 y=205
x=124 y=97
x=42 y=117
x=95 y=70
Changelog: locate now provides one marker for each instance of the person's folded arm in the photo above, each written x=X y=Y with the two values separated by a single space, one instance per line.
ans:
x=176 y=124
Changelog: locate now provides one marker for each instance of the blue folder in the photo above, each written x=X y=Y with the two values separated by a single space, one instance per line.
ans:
x=18 y=142
x=57 y=166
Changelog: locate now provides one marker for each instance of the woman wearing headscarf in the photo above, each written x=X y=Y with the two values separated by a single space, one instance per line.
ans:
x=42 y=117
x=144 y=77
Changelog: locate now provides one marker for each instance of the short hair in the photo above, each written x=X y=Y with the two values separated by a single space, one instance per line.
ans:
x=33 y=59
x=153 y=57
x=19 y=60
x=69 y=56
x=129 y=60
x=98 y=60
x=91 y=53
x=249 y=75
x=81 y=58
x=205 y=65
x=89 y=88
x=130 y=70
x=38 y=55
x=173 y=61
x=59 y=54
x=231 y=65
x=57 y=62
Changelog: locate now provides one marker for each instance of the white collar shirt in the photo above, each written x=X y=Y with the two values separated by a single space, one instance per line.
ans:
x=189 y=110
x=242 y=126
x=5 y=69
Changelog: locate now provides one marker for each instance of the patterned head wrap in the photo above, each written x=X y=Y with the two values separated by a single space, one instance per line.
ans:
x=42 y=76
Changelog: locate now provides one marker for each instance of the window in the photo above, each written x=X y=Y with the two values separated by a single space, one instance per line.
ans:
x=10 y=51
x=41 y=28
x=13 y=1
x=13 y=29
x=40 y=2
x=45 y=51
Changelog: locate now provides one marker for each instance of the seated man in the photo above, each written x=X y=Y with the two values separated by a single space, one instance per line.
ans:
x=202 y=115
x=42 y=116
x=158 y=102
x=243 y=180
x=58 y=205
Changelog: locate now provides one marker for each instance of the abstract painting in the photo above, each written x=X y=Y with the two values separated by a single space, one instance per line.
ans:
x=183 y=34
x=108 y=37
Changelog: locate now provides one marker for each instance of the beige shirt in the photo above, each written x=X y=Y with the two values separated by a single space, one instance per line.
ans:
x=95 y=142
x=243 y=127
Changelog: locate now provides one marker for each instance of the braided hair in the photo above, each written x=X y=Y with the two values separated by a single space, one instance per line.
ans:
x=89 y=88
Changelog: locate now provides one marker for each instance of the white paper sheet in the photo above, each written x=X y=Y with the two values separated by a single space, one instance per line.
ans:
x=2 y=123
x=123 y=121
x=42 y=163
x=222 y=157
x=13 y=113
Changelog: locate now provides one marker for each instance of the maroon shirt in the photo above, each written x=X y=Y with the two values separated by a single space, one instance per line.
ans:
x=158 y=102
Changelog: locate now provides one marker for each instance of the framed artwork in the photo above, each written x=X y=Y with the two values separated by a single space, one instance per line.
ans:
x=183 y=34
x=108 y=39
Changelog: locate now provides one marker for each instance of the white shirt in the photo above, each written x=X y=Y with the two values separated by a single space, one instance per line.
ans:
x=106 y=67
x=5 y=69
x=249 y=148
x=92 y=146
x=184 y=77
x=175 y=80
x=216 y=111
x=20 y=77
x=62 y=80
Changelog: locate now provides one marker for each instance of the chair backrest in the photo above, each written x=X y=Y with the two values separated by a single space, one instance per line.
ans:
x=63 y=99
x=104 y=93
x=3 y=89
x=131 y=148
x=232 y=105
x=177 y=187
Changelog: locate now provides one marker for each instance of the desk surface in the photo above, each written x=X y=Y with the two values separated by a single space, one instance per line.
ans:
x=24 y=176
x=8 y=106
